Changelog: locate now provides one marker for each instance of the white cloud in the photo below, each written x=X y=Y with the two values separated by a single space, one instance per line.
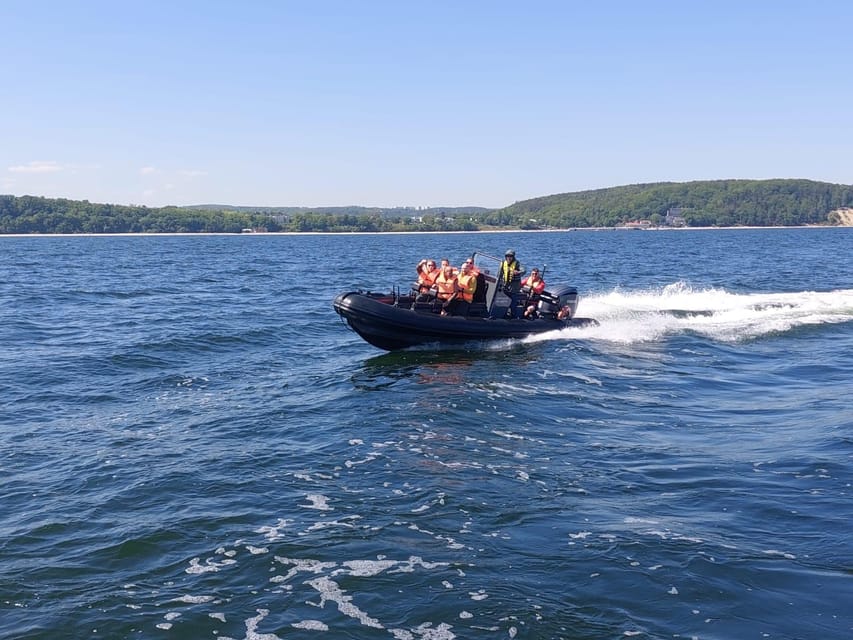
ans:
x=37 y=166
x=192 y=173
x=147 y=171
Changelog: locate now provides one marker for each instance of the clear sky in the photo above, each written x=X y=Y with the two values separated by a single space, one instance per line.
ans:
x=416 y=102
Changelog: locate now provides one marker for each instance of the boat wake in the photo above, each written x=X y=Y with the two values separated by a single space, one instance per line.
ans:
x=628 y=317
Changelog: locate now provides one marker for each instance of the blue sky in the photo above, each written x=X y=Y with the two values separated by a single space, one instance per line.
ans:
x=439 y=103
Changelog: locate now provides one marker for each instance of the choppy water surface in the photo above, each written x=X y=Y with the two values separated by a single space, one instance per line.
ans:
x=192 y=445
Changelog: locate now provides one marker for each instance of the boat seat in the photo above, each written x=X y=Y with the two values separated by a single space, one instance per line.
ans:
x=482 y=287
x=432 y=306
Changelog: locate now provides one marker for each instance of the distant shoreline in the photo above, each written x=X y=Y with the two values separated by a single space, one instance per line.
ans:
x=391 y=233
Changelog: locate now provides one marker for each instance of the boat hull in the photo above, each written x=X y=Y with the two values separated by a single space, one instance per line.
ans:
x=381 y=323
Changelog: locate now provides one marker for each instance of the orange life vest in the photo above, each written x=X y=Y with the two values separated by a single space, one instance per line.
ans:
x=446 y=287
x=468 y=285
x=427 y=278
x=535 y=287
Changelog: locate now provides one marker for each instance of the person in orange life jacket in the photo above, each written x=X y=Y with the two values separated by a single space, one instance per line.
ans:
x=510 y=274
x=466 y=285
x=474 y=270
x=446 y=263
x=534 y=285
x=445 y=287
x=427 y=273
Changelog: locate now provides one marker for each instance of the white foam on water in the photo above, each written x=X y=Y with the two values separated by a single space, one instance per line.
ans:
x=631 y=317
x=507 y=434
x=209 y=566
x=252 y=627
x=369 y=458
x=326 y=524
x=322 y=578
x=274 y=532
x=306 y=566
x=193 y=599
x=318 y=501
x=256 y=550
x=426 y=631
x=368 y=567
x=311 y=625
x=330 y=591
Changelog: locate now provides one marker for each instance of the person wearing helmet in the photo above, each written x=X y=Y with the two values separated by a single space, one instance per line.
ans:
x=511 y=272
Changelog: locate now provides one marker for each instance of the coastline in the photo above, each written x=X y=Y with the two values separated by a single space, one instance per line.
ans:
x=388 y=233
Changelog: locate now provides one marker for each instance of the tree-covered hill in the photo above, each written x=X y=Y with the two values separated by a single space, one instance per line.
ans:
x=384 y=212
x=702 y=203
x=31 y=214
x=706 y=203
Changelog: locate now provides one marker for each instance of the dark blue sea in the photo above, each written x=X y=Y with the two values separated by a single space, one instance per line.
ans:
x=192 y=444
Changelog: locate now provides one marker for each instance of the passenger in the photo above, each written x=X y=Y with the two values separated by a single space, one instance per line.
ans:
x=534 y=285
x=446 y=263
x=466 y=285
x=445 y=287
x=427 y=273
x=511 y=272
x=482 y=285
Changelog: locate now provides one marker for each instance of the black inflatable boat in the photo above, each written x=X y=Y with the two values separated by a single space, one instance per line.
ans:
x=395 y=321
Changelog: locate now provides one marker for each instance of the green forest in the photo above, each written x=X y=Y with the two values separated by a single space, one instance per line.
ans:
x=723 y=203
x=698 y=204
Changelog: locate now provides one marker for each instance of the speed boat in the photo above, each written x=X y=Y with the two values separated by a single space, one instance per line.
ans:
x=396 y=320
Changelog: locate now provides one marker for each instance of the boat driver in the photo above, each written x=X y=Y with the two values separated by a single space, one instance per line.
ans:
x=511 y=272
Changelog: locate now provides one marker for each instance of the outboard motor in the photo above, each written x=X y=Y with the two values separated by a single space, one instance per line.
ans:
x=553 y=300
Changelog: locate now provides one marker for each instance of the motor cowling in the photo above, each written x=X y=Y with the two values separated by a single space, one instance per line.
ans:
x=557 y=298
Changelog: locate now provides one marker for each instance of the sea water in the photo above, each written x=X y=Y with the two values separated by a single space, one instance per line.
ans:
x=193 y=445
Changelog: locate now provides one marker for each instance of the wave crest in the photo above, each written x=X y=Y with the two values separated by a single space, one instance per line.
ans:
x=648 y=315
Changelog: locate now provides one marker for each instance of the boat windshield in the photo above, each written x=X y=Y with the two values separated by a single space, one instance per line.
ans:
x=490 y=269
x=487 y=264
